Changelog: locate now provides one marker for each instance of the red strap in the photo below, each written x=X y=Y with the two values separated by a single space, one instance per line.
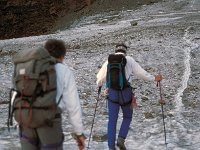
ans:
x=30 y=115
x=20 y=110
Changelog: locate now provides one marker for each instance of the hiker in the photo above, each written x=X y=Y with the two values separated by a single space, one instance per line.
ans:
x=50 y=135
x=119 y=91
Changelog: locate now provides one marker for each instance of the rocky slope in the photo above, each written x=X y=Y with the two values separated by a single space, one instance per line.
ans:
x=20 y=18
x=25 y=18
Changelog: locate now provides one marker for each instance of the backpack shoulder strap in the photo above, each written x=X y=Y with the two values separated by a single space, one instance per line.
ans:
x=60 y=98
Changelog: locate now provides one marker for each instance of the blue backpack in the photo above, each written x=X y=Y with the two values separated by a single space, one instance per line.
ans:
x=116 y=78
x=119 y=90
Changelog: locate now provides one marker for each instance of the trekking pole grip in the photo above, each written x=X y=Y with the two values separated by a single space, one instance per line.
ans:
x=162 y=101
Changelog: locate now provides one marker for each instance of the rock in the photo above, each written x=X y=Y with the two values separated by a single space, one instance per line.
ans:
x=144 y=98
x=105 y=113
x=99 y=137
x=77 y=46
x=134 y=23
x=148 y=115
x=152 y=1
x=170 y=115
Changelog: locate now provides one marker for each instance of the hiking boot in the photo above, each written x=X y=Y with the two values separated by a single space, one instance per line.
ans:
x=120 y=143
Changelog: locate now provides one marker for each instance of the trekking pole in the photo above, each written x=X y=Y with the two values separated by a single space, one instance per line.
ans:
x=9 y=111
x=162 y=102
x=99 y=91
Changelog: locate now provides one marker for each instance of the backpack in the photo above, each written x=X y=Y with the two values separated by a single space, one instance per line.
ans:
x=119 y=90
x=34 y=80
x=116 y=78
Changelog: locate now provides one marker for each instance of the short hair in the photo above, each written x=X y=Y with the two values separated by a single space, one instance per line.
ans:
x=56 y=48
x=121 y=47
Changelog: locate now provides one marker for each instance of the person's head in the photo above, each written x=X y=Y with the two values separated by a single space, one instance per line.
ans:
x=121 y=47
x=56 y=48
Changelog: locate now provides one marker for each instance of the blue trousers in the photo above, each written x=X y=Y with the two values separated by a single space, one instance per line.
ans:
x=113 y=111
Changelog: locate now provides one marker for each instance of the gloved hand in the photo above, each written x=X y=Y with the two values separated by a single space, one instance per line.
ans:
x=162 y=102
x=158 y=77
x=80 y=139
x=106 y=92
x=133 y=102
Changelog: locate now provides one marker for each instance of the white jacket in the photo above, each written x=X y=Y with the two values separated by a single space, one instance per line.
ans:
x=66 y=86
x=132 y=68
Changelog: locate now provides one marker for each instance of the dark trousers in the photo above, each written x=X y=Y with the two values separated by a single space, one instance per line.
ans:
x=42 y=138
x=113 y=111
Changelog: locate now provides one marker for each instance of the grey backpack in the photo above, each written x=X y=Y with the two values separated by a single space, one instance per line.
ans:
x=34 y=80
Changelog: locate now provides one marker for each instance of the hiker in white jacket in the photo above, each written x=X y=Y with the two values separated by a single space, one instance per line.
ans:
x=50 y=134
x=115 y=97
x=66 y=87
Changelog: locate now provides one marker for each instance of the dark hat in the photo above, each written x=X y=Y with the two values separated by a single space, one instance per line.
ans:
x=121 y=47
